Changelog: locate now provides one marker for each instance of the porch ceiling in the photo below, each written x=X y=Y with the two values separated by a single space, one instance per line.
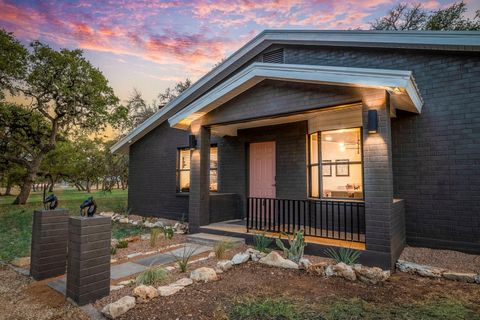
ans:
x=399 y=83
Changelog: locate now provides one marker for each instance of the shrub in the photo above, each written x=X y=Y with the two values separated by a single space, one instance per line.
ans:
x=296 y=246
x=345 y=255
x=151 y=276
x=154 y=233
x=221 y=248
x=122 y=244
x=168 y=232
x=113 y=250
x=262 y=242
x=182 y=260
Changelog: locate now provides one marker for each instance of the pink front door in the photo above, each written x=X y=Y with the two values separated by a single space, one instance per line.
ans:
x=262 y=170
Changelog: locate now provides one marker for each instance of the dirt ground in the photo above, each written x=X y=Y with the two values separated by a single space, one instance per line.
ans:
x=23 y=298
x=162 y=244
x=212 y=300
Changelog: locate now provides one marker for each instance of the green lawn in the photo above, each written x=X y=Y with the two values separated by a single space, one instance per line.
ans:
x=337 y=308
x=16 y=221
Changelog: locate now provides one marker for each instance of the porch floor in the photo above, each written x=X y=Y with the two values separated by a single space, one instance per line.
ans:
x=239 y=226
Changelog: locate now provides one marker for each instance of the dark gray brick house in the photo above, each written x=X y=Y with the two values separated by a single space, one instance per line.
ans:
x=364 y=139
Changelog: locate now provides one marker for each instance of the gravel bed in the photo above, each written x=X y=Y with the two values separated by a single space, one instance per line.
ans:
x=447 y=259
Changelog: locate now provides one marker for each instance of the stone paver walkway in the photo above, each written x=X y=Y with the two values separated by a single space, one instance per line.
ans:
x=130 y=268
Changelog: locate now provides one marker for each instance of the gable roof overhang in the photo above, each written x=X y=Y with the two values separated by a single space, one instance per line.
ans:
x=398 y=82
x=422 y=40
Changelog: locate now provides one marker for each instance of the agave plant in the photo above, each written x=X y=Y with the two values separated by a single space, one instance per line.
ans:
x=296 y=246
x=262 y=242
x=345 y=255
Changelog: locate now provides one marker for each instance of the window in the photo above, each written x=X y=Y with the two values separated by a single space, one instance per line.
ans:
x=183 y=169
x=213 y=168
x=340 y=154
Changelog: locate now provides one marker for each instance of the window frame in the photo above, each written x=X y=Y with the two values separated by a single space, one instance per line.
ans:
x=320 y=164
x=178 y=170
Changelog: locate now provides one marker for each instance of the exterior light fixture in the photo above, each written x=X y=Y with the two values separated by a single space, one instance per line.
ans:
x=372 y=125
x=192 y=142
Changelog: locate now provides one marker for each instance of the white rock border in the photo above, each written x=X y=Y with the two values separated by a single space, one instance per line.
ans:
x=434 y=272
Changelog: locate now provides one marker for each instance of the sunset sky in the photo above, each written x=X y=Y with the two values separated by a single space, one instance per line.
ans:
x=148 y=44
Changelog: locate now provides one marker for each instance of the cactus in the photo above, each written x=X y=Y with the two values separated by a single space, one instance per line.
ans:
x=296 y=246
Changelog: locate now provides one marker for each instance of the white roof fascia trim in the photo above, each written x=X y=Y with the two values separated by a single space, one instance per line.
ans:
x=256 y=72
x=438 y=40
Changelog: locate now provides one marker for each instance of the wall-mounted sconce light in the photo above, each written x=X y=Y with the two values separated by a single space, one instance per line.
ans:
x=372 y=125
x=192 y=142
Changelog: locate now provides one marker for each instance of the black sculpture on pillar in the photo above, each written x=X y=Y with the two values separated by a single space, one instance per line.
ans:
x=88 y=207
x=50 y=202
x=49 y=239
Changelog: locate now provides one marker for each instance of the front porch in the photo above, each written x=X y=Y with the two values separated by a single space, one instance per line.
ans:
x=300 y=155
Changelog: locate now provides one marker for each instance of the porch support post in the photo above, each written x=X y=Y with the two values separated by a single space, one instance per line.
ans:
x=199 y=200
x=378 y=180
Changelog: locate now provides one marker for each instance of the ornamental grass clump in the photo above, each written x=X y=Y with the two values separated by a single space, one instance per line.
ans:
x=182 y=260
x=296 y=246
x=221 y=249
x=345 y=255
x=151 y=276
x=154 y=233
x=262 y=242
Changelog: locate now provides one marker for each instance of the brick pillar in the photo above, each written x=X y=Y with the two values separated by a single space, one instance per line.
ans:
x=378 y=179
x=199 y=199
x=88 y=269
x=49 y=243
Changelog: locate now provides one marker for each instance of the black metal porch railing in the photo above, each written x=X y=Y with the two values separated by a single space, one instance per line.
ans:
x=335 y=219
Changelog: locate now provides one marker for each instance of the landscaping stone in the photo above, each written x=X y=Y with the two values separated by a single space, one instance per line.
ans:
x=477 y=278
x=123 y=220
x=21 y=262
x=204 y=274
x=422 y=270
x=329 y=271
x=117 y=308
x=148 y=225
x=115 y=288
x=107 y=214
x=255 y=255
x=114 y=242
x=345 y=271
x=240 y=258
x=145 y=237
x=304 y=263
x=318 y=268
x=133 y=255
x=126 y=282
x=275 y=260
x=370 y=275
x=145 y=293
x=458 y=276
x=224 y=265
x=166 y=291
x=184 y=282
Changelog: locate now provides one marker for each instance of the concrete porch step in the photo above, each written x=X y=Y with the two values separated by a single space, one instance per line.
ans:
x=208 y=239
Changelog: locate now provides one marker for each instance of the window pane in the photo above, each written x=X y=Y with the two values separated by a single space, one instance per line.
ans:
x=314 y=148
x=314 y=182
x=343 y=149
x=213 y=180
x=184 y=181
x=213 y=157
x=184 y=159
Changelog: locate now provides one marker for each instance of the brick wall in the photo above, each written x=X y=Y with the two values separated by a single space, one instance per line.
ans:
x=152 y=175
x=435 y=154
